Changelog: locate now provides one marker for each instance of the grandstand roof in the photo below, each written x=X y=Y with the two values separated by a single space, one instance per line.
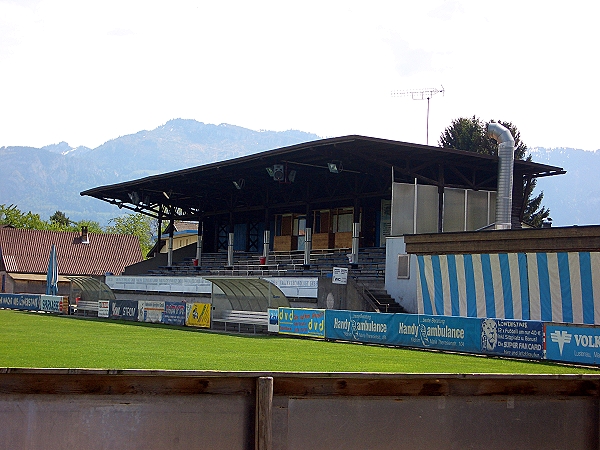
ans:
x=364 y=169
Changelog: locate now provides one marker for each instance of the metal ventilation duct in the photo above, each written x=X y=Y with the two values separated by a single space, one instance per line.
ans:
x=506 y=159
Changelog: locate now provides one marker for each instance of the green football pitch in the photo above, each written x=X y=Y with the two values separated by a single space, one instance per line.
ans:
x=47 y=341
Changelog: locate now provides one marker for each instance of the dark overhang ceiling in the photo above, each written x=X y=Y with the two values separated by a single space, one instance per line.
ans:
x=364 y=171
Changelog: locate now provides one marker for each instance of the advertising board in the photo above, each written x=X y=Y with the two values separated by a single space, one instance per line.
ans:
x=29 y=302
x=104 y=308
x=302 y=322
x=124 y=309
x=459 y=334
x=174 y=313
x=150 y=311
x=358 y=326
x=513 y=338
x=273 y=325
x=51 y=303
x=197 y=315
x=578 y=344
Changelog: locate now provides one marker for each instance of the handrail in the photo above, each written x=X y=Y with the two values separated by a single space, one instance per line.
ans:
x=367 y=295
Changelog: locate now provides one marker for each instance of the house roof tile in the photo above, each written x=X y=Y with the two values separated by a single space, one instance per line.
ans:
x=27 y=251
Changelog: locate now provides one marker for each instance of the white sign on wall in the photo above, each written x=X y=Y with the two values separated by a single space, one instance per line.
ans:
x=340 y=275
x=103 y=308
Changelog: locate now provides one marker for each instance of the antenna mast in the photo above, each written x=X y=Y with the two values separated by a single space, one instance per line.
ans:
x=420 y=94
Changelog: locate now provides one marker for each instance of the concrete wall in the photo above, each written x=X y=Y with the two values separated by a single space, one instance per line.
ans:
x=338 y=296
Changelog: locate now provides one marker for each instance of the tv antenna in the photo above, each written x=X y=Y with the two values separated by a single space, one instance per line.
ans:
x=420 y=94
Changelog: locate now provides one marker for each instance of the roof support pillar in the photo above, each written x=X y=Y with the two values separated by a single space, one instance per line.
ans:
x=267 y=236
x=159 y=231
x=170 y=248
x=230 y=241
x=200 y=241
x=307 y=237
x=356 y=231
x=441 y=183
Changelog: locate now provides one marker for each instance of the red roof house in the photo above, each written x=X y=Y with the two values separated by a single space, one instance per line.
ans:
x=24 y=256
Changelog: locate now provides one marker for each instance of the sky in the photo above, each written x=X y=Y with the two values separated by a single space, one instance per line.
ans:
x=86 y=72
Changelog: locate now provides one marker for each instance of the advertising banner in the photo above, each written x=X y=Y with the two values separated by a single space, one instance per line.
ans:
x=459 y=334
x=174 y=313
x=514 y=338
x=572 y=343
x=103 y=308
x=150 y=311
x=197 y=315
x=124 y=309
x=302 y=322
x=51 y=303
x=358 y=326
x=305 y=287
x=273 y=326
x=30 y=302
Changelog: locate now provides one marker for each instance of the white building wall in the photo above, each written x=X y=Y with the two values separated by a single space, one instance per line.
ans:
x=404 y=291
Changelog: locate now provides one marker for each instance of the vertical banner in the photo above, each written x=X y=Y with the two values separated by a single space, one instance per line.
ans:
x=104 y=308
x=512 y=338
x=174 y=313
x=273 y=326
x=572 y=343
x=459 y=334
x=358 y=326
x=302 y=322
x=197 y=315
x=150 y=311
x=124 y=309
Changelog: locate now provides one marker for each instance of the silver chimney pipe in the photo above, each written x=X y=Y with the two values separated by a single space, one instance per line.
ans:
x=506 y=161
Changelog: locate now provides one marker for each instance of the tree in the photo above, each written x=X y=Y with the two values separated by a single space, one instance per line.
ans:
x=470 y=134
x=60 y=219
x=13 y=216
x=134 y=224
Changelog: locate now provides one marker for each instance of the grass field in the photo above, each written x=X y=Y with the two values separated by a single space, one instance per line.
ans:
x=42 y=340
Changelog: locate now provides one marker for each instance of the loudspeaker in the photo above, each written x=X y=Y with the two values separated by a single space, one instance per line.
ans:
x=278 y=172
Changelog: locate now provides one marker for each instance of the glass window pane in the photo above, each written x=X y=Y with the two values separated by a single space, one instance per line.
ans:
x=427 y=209
x=403 y=200
x=454 y=209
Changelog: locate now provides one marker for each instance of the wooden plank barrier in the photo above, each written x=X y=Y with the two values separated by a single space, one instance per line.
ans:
x=131 y=409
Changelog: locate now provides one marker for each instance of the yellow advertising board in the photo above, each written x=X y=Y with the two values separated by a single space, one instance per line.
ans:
x=197 y=315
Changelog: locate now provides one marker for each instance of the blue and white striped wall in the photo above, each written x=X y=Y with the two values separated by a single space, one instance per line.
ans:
x=551 y=287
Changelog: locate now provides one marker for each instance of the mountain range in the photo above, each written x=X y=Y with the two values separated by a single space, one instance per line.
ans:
x=48 y=179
